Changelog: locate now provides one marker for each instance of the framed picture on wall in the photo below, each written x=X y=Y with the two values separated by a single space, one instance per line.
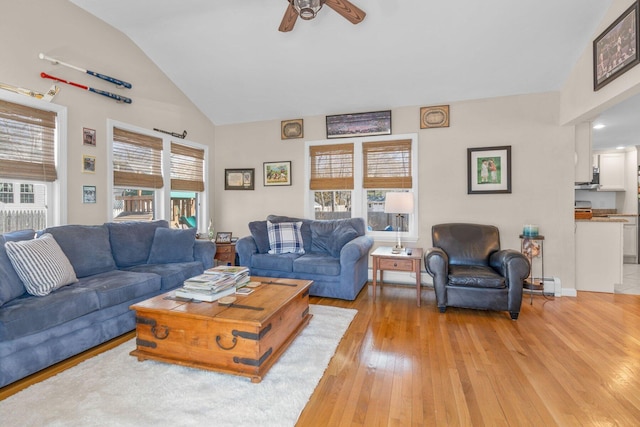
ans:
x=277 y=173
x=88 y=164
x=88 y=194
x=239 y=179
x=89 y=137
x=615 y=51
x=489 y=170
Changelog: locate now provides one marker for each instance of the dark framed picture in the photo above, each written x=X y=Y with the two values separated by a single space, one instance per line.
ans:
x=292 y=129
x=89 y=137
x=359 y=124
x=489 y=170
x=88 y=194
x=277 y=173
x=239 y=179
x=615 y=51
x=223 y=237
x=434 y=117
x=88 y=164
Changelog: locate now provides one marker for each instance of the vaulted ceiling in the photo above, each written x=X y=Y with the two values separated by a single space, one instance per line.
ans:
x=230 y=59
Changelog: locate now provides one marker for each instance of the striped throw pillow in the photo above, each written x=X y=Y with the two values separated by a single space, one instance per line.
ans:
x=285 y=237
x=41 y=264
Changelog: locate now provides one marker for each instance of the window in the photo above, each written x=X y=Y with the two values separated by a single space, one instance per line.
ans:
x=26 y=193
x=32 y=160
x=351 y=179
x=6 y=192
x=155 y=177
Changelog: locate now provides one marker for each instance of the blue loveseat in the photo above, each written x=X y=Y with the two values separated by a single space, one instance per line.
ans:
x=334 y=254
x=116 y=265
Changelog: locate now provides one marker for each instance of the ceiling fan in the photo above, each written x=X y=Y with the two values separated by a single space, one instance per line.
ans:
x=307 y=9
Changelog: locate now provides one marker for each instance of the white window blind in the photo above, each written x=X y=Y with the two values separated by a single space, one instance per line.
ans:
x=137 y=160
x=27 y=142
x=187 y=165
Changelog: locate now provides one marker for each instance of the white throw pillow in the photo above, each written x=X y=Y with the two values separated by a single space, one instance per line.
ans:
x=41 y=264
x=285 y=237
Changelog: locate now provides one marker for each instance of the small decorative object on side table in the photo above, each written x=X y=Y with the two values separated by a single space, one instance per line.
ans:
x=532 y=246
x=409 y=259
x=226 y=253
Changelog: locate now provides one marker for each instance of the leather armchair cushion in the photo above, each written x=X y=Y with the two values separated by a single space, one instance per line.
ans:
x=475 y=276
x=467 y=244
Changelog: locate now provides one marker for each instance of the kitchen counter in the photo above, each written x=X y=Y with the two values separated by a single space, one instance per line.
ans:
x=602 y=219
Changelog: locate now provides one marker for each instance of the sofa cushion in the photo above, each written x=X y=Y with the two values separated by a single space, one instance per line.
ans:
x=28 y=315
x=173 y=274
x=41 y=264
x=305 y=229
x=285 y=237
x=316 y=263
x=172 y=245
x=259 y=233
x=10 y=284
x=330 y=236
x=131 y=241
x=476 y=276
x=282 y=262
x=20 y=235
x=118 y=286
x=87 y=247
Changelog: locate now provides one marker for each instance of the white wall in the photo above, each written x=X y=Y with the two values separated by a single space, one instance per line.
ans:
x=59 y=29
x=542 y=164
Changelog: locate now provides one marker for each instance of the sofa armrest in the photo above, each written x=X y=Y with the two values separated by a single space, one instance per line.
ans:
x=205 y=251
x=246 y=247
x=436 y=262
x=512 y=265
x=355 y=249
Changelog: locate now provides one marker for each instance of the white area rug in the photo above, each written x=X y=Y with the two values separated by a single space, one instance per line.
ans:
x=114 y=389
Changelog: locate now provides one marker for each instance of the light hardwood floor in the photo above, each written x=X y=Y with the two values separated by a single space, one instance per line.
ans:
x=565 y=361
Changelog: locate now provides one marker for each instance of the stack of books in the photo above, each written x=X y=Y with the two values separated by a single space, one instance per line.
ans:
x=239 y=275
x=207 y=287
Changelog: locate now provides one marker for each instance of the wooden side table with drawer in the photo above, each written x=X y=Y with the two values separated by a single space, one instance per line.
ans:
x=385 y=259
x=226 y=253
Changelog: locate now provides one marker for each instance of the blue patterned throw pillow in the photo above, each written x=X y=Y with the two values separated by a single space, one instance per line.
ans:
x=285 y=237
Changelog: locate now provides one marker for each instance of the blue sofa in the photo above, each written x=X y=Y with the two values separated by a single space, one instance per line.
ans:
x=335 y=255
x=116 y=265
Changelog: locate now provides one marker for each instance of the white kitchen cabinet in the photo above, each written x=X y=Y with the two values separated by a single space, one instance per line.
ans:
x=612 y=167
x=598 y=255
x=630 y=240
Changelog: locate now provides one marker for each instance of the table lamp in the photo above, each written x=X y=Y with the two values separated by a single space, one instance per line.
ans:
x=399 y=203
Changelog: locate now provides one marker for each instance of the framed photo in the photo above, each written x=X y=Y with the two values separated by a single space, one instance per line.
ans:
x=239 y=179
x=434 y=117
x=88 y=164
x=89 y=137
x=88 y=194
x=615 y=51
x=291 y=129
x=223 y=237
x=360 y=124
x=489 y=170
x=277 y=173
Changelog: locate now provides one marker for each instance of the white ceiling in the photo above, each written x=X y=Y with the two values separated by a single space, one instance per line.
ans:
x=230 y=59
x=622 y=126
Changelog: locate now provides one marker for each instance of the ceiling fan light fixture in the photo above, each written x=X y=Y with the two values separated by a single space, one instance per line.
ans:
x=307 y=9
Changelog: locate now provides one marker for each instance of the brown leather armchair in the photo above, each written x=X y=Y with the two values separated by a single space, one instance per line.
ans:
x=469 y=270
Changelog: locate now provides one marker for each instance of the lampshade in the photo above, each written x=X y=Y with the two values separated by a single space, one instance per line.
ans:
x=398 y=203
x=307 y=9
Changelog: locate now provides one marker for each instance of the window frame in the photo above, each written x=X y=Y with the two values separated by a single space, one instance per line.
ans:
x=359 y=193
x=56 y=191
x=162 y=196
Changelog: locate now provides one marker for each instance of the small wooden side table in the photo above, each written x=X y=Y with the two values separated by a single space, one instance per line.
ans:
x=226 y=253
x=385 y=259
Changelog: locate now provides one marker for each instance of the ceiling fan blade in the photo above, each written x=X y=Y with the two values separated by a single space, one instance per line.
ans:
x=289 y=19
x=345 y=8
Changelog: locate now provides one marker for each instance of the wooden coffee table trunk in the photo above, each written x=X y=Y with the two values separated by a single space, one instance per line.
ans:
x=228 y=339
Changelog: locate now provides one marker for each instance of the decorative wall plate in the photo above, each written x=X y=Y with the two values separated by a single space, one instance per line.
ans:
x=434 y=117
